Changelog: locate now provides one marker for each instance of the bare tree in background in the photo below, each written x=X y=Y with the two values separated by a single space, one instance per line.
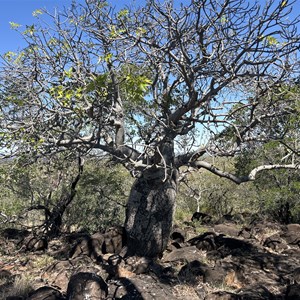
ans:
x=136 y=82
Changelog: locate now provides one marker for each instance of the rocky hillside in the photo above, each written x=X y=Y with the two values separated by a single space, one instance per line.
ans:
x=216 y=261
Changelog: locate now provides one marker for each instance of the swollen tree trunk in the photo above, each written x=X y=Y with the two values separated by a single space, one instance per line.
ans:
x=150 y=211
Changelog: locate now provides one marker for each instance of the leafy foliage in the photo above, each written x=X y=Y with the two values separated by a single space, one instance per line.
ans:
x=204 y=192
x=101 y=197
x=274 y=188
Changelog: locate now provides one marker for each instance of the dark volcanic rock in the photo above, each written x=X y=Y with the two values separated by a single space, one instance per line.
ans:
x=178 y=235
x=14 y=233
x=221 y=245
x=184 y=254
x=192 y=272
x=144 y=287
x=296 y=275
x=256 y=293
x=205 y=241
x=293 y=292
x=46 y=293
x=86 y=286
x=227 y=229
x=253 y=265
x=201 y=217
x=222 y=296
x=112 y=241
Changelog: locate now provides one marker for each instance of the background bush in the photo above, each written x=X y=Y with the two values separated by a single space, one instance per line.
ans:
x=103 y=190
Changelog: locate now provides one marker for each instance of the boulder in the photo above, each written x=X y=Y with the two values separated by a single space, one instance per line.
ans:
x=183 y=254
x=205 y=241
x=58 y=274
x=227 y=229
x=296 y=275
x=293 y=292
x=143 y=287
x=256 y=292
x=222 y=295
x=210 y=241
x=275 y=242
x=214 y=275
x=114 y=240
x=293 y=227
x=178 y=235
x=192 y=272
x=45 y=293
x=291 y=235
x=86 y=286
x=14 y=233
x=201 y=217
x=35 y=243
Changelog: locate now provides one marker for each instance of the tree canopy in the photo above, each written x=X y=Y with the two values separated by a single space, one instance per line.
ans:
x=143 y=83
x=125 y=81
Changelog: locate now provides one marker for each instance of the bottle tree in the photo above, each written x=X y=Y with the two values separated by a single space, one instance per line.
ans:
x=136 y=82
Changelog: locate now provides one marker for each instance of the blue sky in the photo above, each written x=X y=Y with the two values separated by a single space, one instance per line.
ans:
x=20 y=11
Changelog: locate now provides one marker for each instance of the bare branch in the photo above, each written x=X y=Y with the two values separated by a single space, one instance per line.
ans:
x=252 y=175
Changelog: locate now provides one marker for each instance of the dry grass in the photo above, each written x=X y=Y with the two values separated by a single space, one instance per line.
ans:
x=21 y=287
x=20 y=280
x=43 y=261
x=185 y=291
x=223 y=287
x=268 y=232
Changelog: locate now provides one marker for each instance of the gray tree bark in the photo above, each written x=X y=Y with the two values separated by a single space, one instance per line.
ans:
x=150 y=212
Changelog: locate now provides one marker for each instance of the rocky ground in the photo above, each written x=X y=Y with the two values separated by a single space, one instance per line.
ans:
x=216 y=261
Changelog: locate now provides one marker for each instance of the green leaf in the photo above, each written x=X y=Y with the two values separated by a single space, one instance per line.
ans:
x=78 y=93
x=136 y=87
x=271 y=41
x=9 y=55
x=224 y=20
x=53 y=42
x=68 y=94
x=37 y=12
x=57 y=92
x=99 y=82
x=19 y=57
x=69 y=73
x=123 y=14
x=14 y=25
x=144 y=83
x=140 y=31
x=30 y=29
